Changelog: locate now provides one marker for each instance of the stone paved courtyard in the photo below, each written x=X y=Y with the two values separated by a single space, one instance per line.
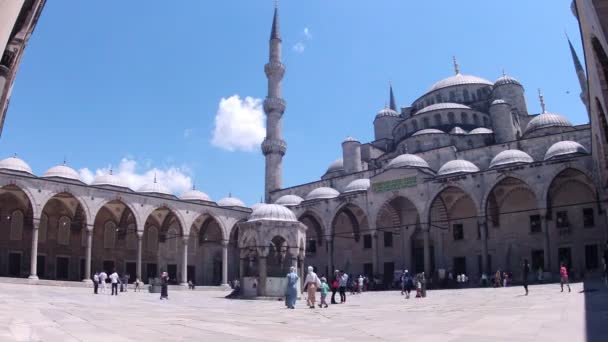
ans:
x=51 y=313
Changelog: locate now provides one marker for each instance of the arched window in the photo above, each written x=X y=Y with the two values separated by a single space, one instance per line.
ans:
x=418 y=146
x=486 y=121
x=476 y=119
x=152 y=239
x=63 y=230
x=470 y=143
x=42 y=228
x=172 y=240
x=415 y=125
x=438 y=98
x=131 y=236
x=438 y=120
x=473 y=97
x=479 y=94
x=425 y=123
x=451 y=118
x=465 y=118
x=109 y=234
x=465 y=94
x=452 y=96
x=435 y=142
x=16 y=225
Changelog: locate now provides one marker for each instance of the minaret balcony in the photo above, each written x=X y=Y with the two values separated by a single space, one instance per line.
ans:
x=274 y=105
x=274 y=146
x=274 y=69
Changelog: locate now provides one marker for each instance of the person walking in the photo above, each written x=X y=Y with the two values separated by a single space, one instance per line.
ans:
x=291 y=291
x=102 y=281
x=497 y=279
x=324 y=290
x=525 y=270
x=95 y=282
x=563 y=277
x=408 y=283
x=360 y=284
x=343 y=283
x=137 y=285
x=114 y=278
x=164 y=285
x=335 y=284
x=311 y=284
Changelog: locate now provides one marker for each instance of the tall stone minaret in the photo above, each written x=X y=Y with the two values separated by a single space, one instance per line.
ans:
x=580 y=73
x=274 y=146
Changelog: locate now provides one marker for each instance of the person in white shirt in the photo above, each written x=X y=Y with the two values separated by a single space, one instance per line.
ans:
x=114 y=280
x=360 y=284
x=343 y=282
x=311 y=284
x=102 y=281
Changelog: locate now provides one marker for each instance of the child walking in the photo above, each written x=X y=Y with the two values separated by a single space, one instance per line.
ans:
x=563 y=279
x=324 y=290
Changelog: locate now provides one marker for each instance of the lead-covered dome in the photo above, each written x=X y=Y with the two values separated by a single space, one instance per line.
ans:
x=289 y=200
x=194 y=195
x=481 y=130
x=407 y=160
x=506 y=79
x=565 y=148
x=358 y=185
x=336 y=165
x=62 y=171
x=272 y=212
x=109 y=179
x=322 y=193
x=459 y=79
x=457 y=166
x=442 y=106
x=387 y=112
x=511 y=157
x=230 y=202
x=458 y=130
x=547 y=120
x=154 y=188
x=428 y=131
x=15 y=164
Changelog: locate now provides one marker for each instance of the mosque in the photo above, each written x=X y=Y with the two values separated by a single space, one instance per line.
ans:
x=464 y=179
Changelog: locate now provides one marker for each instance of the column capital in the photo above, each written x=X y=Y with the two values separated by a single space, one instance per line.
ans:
x=89 y=227
x=224 y=243
x=185 y=238
x=140 y=234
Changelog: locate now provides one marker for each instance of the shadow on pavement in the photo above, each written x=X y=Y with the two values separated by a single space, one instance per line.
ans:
x=596 y=310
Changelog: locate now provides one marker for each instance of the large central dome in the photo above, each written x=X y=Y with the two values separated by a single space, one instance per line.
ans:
x=459 y=79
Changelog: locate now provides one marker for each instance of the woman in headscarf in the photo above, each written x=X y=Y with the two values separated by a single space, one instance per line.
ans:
x=291 y=292
x=164 y=282
x=310 y=285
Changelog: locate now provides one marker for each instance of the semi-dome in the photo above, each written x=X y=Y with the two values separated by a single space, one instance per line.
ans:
x=336 y=165
x=15 y=164
x=387 y=112
x=510 y=157
x=407 y=160
x=506 y=79
x=547 y=120
x=458 y=130
x=442 y=106
x=358 y=185
x=272 y=212
x=289 y=200
x=110 y=180
x=481 y=130
x=322 y=193
x=565 y=148
x=457 y=166
x=230 y=202
x=459 y=79
x=62 y=171
x=154 y=188
x=428 y=131
x=194 y=195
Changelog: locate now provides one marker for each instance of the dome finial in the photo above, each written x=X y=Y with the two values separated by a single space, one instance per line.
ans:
x=110 y=170
x=64 y=161
x=154 y=177
x=456 y=66
x=503 y=72
x=229 y=194
x=541 y=98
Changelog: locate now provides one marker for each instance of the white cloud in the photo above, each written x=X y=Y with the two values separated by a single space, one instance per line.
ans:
x=239 y=124
x=174 y=178
x=188 y=132
x=307 y=34
x=299 y=47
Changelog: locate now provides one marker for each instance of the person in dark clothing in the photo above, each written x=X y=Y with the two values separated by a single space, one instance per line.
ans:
x=164 y=283
x=335 y=284
x=524 y=274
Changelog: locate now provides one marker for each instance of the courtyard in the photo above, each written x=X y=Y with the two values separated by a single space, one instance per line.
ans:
x=54 y=313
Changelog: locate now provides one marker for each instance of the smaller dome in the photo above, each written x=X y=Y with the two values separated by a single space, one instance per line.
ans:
x=288 y=200
x=387 y=112
x=498 y=102
x=231 y=202
x=350 y=139
x=335 y=166
x=257 y=205
x=15 y=164
x=194 y=195
x=457 y=166
x=506 y=79
x=458 y=79
x=322 y=193
x=481 y=130
x=565 y=148
x=154 y=188
x=272 y=212
x=442 y=106
x=407 y=160
x=428 y=131
x=110 y=180
x=458 y=130
x=62 y=171
x=510 y=157
x=358 y=185
x=547 y=120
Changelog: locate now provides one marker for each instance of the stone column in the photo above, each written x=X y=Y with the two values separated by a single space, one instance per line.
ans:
x=262 y=276
x=546 y=242
x=427 y=251
x=330 y=255
x=184 y=261
x=404 y=248
x=483 y=229
x=140 y=236
x=224 y=262
x=241 y=268
x=87 y=262
x=376 y=267
x=34 y=256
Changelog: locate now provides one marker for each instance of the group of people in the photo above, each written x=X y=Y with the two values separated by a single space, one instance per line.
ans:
x=314 y=283
x=101 y=278
x=409 y=283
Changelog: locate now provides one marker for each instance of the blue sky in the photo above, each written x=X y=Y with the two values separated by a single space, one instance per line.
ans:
x=105 y=82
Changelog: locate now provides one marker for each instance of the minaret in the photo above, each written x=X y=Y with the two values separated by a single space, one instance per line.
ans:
x=273 y=146
x=393 y=104
x=580 y=73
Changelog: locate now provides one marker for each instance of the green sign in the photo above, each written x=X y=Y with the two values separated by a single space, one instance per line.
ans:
x=395 y=184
